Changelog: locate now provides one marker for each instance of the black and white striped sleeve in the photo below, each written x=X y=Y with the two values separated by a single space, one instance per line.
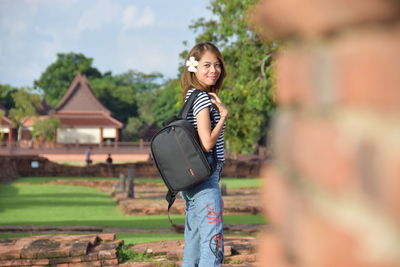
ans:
x=201 y=102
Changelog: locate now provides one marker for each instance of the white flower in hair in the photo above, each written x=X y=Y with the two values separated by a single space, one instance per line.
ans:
x=192 y=63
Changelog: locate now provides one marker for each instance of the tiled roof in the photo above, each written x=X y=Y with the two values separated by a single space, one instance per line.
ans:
x=80 y=97
x=89 y=121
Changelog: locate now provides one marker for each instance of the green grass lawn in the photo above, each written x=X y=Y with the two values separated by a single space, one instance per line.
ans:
x=128 y=238
x=62 y=205
x=230 y=182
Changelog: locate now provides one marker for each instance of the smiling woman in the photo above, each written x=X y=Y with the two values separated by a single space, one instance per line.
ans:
x=204 y=244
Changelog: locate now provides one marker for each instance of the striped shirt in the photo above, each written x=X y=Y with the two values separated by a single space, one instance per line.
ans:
x=201 y=102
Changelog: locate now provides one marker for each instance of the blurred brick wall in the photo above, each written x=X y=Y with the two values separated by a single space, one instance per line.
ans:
x=12 y=167
x=332 y=195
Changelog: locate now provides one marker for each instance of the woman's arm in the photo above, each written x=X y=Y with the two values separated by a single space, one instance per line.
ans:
x=209 y=137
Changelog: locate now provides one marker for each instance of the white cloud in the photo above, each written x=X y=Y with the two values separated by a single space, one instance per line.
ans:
x=132 y=18
x=102 y=12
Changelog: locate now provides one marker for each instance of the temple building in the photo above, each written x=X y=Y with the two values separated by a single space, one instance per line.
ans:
x=83 y=118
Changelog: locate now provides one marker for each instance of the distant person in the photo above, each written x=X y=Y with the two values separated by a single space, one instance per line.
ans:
x=109 y=159
x=88 y=154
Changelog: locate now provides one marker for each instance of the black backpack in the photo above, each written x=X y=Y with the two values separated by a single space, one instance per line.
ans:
x=179 y=158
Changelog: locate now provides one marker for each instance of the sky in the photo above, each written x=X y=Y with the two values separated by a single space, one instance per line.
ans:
x=120 y=35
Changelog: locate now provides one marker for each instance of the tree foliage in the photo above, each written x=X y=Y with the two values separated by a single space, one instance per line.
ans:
x=26 y=104
x=45 y=129
x=58 y=76
x=130 y=96
x=2 y=114
x=6 y=95
x=168 y=101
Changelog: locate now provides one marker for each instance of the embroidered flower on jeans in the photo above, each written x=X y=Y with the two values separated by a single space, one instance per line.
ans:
x=192 y=63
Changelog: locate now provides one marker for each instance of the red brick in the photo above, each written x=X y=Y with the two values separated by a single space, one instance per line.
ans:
x=271 y=251
x=107 y=237
x=85 y=264
x=321 y=153
x=109 y=245
x=107 y=254
x=295 y=77
x=366 y=70
x=285 y=205
x=321 y=244
x=16 y=263
x=10 y=254
x=324 y=243
x=91 y=256
x=340 y=73
x=40 y=262
x=92 y=239
x=6 y=262
x=79 y=249
x=389 y=182
x=61 y=252
x=244 y=258
x=65 y=260
x=275 y=197
x=29 y=253
x=316 y=149
x=109 y=262
x=77 y=259
x=305 y=77
x=289 y=18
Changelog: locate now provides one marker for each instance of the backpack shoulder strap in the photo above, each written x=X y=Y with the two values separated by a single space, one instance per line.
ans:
x=170 y=197
x=186 y=107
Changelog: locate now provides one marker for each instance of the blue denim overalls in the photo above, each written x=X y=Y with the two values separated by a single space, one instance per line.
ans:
x=204 y=239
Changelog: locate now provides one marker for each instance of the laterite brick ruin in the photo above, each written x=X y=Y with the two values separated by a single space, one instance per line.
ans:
x=332 y=192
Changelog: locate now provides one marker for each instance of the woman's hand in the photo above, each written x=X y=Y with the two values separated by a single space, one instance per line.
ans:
x=223 y=111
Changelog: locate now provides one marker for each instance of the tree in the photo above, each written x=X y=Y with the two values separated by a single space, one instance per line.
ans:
x=6 y=95
x=57 y=77
x=45 y=129
x=133 y=129
x=130 y=96
x=249 y=88
x=168 y=101
x=1 y=120
x=25 y=108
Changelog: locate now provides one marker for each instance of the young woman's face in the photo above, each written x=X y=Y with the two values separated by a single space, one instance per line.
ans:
x=209 y=69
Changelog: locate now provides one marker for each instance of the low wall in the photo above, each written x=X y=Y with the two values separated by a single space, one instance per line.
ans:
x=8 y=169
x=12 y=167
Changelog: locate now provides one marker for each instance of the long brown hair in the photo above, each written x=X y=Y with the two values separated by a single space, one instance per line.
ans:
x=189 y=80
